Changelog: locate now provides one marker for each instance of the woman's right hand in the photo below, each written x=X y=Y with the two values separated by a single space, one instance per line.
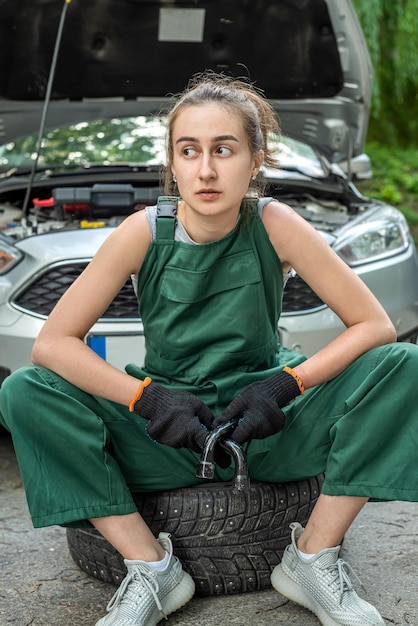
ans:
x=176 y=418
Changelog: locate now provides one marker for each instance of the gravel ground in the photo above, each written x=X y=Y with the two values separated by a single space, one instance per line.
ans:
x=41 y=586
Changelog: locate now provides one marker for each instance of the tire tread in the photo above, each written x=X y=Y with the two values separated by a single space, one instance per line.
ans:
x=228 y=541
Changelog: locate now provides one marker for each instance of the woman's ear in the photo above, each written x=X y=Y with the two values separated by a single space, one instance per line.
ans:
x=258 y=162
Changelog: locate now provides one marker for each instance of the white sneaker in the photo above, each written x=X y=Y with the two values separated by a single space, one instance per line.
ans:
x=146 y=596
x=323 y=586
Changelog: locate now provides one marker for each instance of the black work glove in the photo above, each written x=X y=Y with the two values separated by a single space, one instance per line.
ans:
x=177 y=418
x=258 y=407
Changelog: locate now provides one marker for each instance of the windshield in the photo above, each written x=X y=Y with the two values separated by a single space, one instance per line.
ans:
x=137 y=141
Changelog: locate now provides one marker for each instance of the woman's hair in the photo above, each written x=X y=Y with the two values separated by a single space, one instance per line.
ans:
x=240 y=98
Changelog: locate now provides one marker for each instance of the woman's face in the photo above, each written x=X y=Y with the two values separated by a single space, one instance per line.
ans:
x=212 y=161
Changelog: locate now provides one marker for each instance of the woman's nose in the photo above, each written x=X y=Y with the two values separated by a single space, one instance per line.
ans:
x=207 y=170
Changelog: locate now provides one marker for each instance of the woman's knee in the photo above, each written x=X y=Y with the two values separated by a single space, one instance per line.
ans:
x=19 y=383
x=14 y=390
x=18 y=393
x=401 y=355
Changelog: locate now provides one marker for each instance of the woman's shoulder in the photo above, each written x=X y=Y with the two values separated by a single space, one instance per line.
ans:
x=263 y=202
x=273 y=209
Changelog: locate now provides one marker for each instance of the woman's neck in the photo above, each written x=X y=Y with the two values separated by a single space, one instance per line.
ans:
x=206 y=228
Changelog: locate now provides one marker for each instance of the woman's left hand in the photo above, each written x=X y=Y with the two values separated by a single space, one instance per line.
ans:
x=258 y=408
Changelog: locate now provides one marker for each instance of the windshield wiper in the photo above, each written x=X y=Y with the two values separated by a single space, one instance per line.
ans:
x=303 y=171
x=73 y=168
x=124 y=167
x=24 y=171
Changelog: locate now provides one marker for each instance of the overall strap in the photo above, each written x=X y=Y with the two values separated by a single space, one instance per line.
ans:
x=166 y=217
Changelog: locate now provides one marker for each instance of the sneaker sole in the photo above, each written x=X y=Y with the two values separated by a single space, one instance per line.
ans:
x=173 y=601
x=291 y=590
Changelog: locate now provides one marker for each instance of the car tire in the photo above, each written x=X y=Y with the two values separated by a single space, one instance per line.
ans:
x=228 y=540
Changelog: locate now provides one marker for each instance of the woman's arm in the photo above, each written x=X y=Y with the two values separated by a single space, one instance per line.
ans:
x=60 y=346
x=300 y=246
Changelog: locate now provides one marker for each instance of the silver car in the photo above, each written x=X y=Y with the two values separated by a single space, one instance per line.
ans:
x=83 y=89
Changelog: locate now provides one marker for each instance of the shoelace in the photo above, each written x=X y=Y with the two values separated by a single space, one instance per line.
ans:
x=342 y=571
x=141 y=575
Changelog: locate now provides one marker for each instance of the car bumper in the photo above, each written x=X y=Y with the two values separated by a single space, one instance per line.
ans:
x=394 y=282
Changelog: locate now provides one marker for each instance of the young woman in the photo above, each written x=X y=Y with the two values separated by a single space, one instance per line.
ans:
x=209 y=281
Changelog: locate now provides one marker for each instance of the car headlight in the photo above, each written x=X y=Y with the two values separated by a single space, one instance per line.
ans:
x=380 y=235
x=9 y=256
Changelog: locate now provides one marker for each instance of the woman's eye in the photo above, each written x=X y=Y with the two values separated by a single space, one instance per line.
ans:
x=223 y=150
x=188 y=152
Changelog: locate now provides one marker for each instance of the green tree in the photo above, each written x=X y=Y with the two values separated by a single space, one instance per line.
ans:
x=391 y=30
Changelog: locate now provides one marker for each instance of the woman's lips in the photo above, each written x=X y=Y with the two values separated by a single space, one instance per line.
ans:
x=208 y=194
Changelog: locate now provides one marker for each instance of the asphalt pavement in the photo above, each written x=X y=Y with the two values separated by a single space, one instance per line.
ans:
x=40 y=585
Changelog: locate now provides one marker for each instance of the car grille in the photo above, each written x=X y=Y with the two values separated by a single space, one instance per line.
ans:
x=298 y=297
x=41 y=295
x=44 y=292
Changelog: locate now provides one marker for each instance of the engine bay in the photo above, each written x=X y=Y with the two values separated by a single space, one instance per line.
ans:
x=107 y=204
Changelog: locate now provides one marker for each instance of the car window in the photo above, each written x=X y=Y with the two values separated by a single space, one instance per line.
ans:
x=138 y=140
x=133 y=140
x=294 y=155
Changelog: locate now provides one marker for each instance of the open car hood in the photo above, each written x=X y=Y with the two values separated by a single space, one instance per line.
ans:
x=123 y=57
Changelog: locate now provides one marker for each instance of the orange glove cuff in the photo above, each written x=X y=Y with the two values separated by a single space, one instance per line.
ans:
x=137 y=396
x=296 y=377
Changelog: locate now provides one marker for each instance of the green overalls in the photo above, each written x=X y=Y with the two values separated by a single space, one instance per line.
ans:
x=210 y=317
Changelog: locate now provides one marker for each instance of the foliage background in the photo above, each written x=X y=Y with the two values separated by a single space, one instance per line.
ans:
x=391 y=31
